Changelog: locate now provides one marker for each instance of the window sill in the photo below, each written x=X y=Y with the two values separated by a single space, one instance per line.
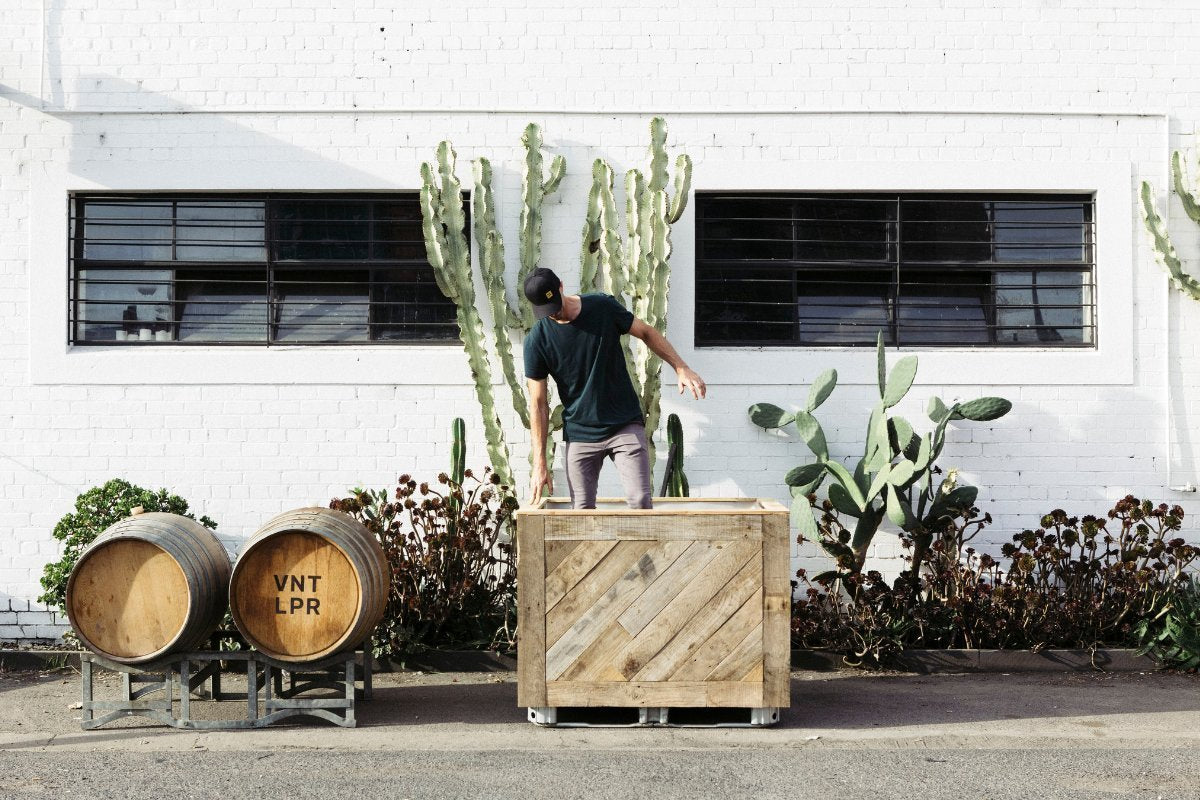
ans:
x=164 y=364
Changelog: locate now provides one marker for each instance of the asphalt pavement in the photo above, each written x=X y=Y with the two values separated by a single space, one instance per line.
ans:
x=451 y=735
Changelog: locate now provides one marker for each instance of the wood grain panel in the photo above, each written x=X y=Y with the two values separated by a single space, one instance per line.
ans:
x=589 y=590
x=584 y=557
x=658 y=527
x=746 y=656
x=669 y=585
x=642 y=694
x=564 y=651
x=713 y=651
x=777 y=611
x=708 y=621
x=694 y=598
x=556 y=552
x=531 y=607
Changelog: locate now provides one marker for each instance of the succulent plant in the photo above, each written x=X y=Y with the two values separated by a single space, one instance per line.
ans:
x=894 y=478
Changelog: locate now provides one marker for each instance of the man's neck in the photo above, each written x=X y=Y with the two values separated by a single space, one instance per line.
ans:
x=570 y=309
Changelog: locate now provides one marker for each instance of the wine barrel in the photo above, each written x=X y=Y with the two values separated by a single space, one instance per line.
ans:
x=310 y=583
x=149 y=585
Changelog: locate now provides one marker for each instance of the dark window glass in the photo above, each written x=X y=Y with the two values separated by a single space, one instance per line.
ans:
x=217 y=269
x=926 y=269
x=221 y=305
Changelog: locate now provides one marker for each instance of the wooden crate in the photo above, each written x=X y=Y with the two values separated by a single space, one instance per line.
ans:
x=684 y=605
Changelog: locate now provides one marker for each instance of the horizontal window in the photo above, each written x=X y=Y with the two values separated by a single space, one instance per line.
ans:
x=262 y=269
x=926 y=269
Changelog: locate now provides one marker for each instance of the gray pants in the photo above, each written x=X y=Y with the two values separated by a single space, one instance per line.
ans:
x=628 y=450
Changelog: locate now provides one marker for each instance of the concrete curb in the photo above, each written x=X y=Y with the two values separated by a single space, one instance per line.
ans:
x=925 y=662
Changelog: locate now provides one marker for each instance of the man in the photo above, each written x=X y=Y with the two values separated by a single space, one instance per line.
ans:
x=577 y=340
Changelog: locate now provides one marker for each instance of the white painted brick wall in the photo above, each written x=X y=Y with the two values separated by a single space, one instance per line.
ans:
x=369 y=89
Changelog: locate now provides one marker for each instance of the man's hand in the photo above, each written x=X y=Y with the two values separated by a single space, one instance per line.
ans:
x=687 y=378
x=540 y=477
x=658 y=344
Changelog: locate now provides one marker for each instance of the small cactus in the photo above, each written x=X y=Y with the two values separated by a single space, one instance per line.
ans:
x=675 y=482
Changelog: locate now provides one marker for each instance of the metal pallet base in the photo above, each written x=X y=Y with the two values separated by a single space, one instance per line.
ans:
x=608 y=717
x=171 y=685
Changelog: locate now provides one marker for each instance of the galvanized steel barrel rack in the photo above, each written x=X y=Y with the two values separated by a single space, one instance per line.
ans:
x=164 y=690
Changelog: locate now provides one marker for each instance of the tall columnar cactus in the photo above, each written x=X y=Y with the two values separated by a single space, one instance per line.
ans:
x=444 y=224
x=894 y=477
x=675 y=482
x=444 y=227
x=1157 y=226
x=641 y=267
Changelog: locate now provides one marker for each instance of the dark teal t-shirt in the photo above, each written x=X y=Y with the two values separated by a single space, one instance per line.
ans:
x=585 y=359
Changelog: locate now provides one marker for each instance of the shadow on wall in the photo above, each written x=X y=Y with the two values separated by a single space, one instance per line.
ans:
x=108 y=151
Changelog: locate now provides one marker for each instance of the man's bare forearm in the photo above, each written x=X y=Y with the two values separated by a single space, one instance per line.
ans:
x=662 y=348
x=539 y=425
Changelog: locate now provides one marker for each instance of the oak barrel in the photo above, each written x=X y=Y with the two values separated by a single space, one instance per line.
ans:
x=149 y=585
x=310 y=583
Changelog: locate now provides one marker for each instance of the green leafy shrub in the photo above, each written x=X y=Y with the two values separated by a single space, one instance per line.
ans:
x=1074 y=583
x=1173 y=635
x=451 y=559
x=95 y=510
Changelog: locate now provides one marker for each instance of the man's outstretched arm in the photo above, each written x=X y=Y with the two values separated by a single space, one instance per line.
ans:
x=685 y=376
x=539 y=424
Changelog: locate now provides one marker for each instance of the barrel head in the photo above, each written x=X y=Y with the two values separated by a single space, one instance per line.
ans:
x=129 y=599
x=295 y=596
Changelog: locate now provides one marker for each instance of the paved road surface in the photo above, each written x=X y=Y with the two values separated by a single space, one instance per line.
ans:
x=848 y=735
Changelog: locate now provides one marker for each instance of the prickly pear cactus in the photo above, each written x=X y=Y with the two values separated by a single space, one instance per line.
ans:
x=894 y=477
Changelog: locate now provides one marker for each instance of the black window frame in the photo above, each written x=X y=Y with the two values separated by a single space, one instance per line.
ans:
x=774 y=272
x=376 y=274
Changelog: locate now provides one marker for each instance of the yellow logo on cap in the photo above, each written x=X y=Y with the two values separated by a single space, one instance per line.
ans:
x=549 y=295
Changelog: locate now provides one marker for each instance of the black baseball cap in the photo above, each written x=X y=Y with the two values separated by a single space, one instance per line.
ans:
x=542 y=289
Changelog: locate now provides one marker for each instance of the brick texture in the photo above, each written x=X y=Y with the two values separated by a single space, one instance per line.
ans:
x=290 y=94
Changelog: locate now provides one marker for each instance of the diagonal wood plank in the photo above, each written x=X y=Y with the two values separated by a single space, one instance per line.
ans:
x=720 y=644
x=574 y=568
x=699 y=628
x=687 y=604
x=576 y=639
x=742 y=659
x=669 y=585
x=596 y=661
x=755 y=675
x=584 y=594
x=556 y=551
